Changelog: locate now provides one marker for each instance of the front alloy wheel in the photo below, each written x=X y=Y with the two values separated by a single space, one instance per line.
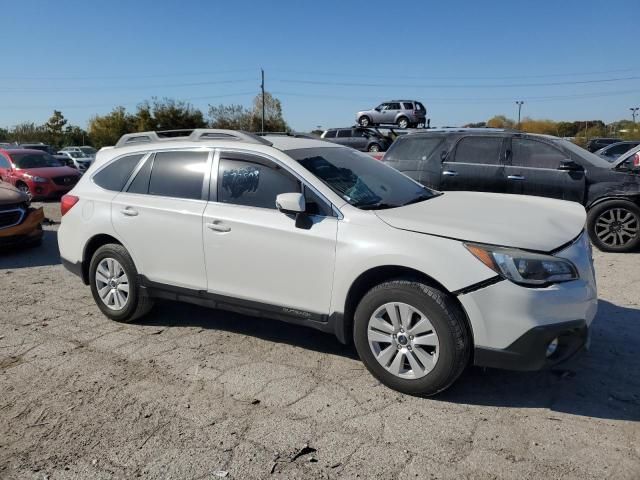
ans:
x=403 y=122
x=403 y=340
x=25 y=189
x=364 y=121
x=411 y=336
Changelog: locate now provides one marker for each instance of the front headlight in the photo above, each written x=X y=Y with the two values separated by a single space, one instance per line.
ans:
x=524 y=268
x=40 y=179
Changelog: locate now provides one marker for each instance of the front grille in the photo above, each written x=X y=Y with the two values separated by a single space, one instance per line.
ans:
x=66 y=181
x=9 y=218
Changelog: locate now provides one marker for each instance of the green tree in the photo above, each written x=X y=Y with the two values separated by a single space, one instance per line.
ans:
x=26 y=132
x=54 y=128
x=74 y=135
x=273 y=118
x=234 y=117
x=168 y=114
x=4 y=134
x=107 y=129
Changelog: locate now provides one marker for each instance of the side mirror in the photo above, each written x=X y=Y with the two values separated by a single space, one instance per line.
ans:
x=570 y=166
x=292 y=203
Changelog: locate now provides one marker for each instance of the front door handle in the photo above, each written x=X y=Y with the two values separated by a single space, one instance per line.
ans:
x=216 y=226
x=450 y=173
x=516 y=177
x=129 y=212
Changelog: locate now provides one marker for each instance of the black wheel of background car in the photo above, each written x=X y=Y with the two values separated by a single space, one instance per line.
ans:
x=614 y=226
x=411 y=337
x=364 y=121
x=374 y=147
x=403 y=122
x=114 y=284
x=23 y=187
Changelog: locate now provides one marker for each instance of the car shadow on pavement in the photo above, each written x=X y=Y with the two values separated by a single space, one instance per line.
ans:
x=167 y=313
x=40 y=256
x=603 y=382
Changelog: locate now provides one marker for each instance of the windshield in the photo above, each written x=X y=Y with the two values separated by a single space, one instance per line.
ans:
x=34 y=160
x=592 y=158
x=75 y=154
x=361 y=180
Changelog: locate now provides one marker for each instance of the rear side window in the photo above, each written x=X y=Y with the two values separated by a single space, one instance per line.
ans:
x=140 y=183
x=408 y=106
x=4 y=163
x=178 y=174
x=481 y=150
x=115 y=175
x=330 y=134
x=344 y=133
x=531 y=153
x=407 y=153
x=252 y=181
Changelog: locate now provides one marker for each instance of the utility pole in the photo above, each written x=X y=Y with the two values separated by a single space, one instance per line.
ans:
x=262 y=88
x=634 y=112
x=519 y=103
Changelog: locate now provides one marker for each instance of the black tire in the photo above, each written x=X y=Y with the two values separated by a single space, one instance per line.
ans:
x=138 y=304
x=403 y=121
x=364 y=121
x=448 y=322
x=374 y=147
x=609 y=237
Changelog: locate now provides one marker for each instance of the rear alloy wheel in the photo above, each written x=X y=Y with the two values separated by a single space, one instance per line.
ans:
x=115 y=286
x=412 y=337
x=374 y=147
x=403 y=122
x=364 y=121
x=614 y=226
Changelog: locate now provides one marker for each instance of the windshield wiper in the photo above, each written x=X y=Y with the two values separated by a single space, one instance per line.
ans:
x=419 y=198
x=376 y=206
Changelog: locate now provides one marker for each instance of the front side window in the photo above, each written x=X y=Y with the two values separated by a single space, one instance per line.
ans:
x=115 y=175
x=412 y=147
x=252 y=181
x=394 y=106
x=178 y=174
x=534 y=154
x=359 y=179
x=480 y=150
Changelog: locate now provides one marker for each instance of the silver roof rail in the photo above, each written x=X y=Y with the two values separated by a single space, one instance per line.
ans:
x=196 y=135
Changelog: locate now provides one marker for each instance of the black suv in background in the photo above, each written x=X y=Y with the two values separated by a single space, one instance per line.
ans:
x=598 y=143
x=504 y=161
x=363 y=139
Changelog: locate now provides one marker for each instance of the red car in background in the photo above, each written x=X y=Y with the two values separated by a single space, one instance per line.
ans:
x=36 y=173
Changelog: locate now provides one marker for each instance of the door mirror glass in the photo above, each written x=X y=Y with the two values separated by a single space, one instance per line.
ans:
x=291 y=203
x=570 y=166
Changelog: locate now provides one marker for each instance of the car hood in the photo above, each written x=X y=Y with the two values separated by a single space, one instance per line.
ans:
x=50 y=172
x=10 y=195
x=532 y=223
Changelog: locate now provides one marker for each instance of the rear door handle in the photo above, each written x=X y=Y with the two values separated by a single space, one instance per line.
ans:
x=216 y=226
x=129 y=212
x=516 y=177
x=450 y=173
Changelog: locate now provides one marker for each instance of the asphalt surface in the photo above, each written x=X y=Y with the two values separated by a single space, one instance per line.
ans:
x=195 y=393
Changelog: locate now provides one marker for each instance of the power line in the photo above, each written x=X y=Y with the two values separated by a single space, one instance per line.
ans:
x=465 y=77
x=124 y=77
x=404 y=85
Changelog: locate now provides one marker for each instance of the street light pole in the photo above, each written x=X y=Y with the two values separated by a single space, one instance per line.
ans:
x=634 y=112
x=519 y=103
x=262 y=88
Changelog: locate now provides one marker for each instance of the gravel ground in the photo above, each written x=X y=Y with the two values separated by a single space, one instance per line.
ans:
x=196 y=393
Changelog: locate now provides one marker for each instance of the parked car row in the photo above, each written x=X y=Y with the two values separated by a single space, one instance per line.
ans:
x=36 y=173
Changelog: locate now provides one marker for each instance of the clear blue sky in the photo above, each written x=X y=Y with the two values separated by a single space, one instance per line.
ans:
x=466 y=60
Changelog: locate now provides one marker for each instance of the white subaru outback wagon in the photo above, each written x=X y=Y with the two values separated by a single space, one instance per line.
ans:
x=309 y=232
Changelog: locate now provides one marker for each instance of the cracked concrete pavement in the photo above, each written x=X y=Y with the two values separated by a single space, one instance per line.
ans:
x=195 y=393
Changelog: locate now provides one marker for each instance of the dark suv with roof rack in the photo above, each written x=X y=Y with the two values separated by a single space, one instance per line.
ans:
x=504 y=161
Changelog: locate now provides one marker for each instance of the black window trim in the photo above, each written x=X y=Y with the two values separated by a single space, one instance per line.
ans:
x=451 y=156
x=213 y=188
